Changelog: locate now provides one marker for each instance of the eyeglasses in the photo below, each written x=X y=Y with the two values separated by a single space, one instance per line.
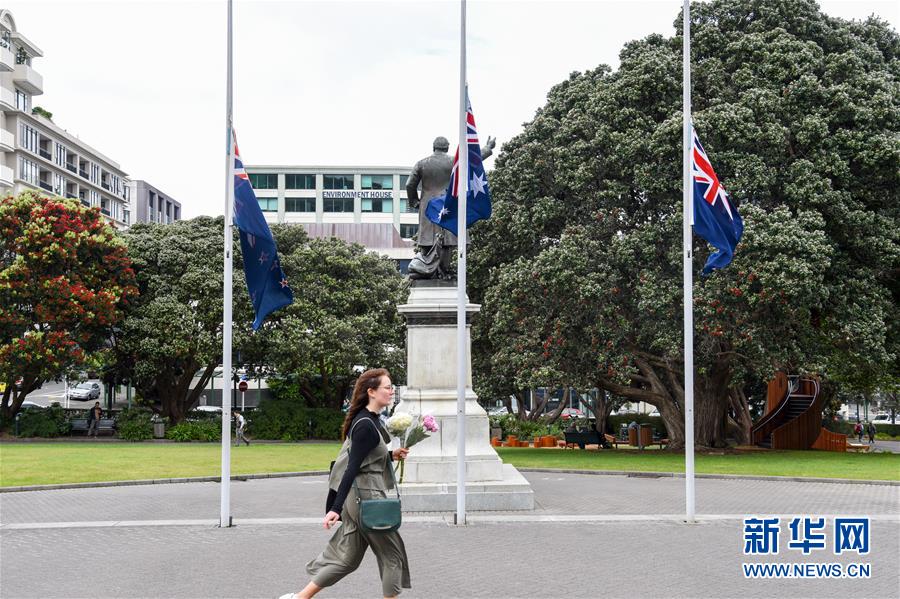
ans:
x=390 y=387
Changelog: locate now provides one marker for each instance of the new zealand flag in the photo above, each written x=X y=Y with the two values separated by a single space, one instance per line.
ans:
x=444 y=210
x=266 y=283
x=715 y=219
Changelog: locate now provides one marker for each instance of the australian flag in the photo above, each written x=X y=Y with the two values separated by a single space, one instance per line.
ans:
x=716 y=219
x=266 y=282
x=444 y=210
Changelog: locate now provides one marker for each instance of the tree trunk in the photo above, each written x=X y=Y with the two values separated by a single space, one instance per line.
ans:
x=537 y=410
x=741 y=408
x=710 y=405
x=554 y=416
x=601 y=408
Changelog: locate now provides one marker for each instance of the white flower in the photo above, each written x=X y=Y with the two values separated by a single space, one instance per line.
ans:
x=399 y=422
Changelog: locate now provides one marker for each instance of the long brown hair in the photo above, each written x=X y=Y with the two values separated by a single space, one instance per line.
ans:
x=370 y=379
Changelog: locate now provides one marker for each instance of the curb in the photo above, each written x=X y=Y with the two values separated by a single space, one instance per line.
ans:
x=640 y=474
x=627 y=473
x=158 y=481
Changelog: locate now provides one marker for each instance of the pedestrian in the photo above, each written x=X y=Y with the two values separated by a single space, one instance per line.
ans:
x=871 y=429
x=363 y=470
x=858 y=429
x=241 y=422
x=94 y=416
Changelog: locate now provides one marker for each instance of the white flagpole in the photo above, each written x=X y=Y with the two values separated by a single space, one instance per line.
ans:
x=462 y=180
x=225 y=486
x=688 y=274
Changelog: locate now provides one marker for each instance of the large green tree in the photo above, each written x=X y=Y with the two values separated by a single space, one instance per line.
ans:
x=65 y=278
x=344 y=317
x=579 y=270
x=175 y=329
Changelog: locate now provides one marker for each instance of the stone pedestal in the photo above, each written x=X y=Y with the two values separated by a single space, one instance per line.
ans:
x=430 y=478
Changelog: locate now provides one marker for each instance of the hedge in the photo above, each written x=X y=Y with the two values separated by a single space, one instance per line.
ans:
x=291 y=420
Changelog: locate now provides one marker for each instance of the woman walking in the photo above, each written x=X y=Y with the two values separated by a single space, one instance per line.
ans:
x=363 y=470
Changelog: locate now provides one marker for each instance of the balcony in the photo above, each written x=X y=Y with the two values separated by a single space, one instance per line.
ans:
x=46 y=186
x=7 y=59
x=7 y=141
x=7 y=99
x=45 y=154
x=29 y=80
x=6 y=176
x=84 y=174
x=72 y=168
x=105 y=186
x=71 y=195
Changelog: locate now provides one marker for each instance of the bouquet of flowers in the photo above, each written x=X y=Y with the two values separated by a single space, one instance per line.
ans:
x=410 y=429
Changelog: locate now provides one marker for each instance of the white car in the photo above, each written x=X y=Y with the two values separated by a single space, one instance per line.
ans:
x=215 y=409
x=883 y=419
x=84 y=392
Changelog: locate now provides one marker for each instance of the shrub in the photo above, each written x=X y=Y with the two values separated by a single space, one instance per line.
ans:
x=134 y=424
x=43 y=422
x=291 y=420
x=509 y=424
x=199 y=430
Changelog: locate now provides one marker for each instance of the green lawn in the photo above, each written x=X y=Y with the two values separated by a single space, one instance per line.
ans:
x=52 y=463
x=820 y=464
x=49 y=463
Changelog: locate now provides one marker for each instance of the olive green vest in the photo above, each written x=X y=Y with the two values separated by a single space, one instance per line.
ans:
x=373 y=472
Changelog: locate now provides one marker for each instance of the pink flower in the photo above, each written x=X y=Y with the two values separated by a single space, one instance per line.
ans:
x=429 y=424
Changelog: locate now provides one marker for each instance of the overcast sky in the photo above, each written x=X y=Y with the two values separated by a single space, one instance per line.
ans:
x=318 y=83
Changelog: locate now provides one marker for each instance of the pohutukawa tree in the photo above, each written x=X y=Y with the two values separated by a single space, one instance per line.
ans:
x=579 y=270
x=174 y=330
x=65 y=279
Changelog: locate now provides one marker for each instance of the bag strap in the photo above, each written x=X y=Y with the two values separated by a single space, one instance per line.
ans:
x=389 y=463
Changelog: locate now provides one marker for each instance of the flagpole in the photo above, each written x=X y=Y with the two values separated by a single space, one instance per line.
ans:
x=225 y=486
x=462 y=181
x=688 y=273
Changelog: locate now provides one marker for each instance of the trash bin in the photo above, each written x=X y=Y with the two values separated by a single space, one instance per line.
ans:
x=159 y=429
x=646 y=435
x=633 y=434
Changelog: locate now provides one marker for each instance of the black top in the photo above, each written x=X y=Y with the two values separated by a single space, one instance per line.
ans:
x=363 y=439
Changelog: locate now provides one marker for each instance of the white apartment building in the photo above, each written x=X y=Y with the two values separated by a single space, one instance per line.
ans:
x=37 y=154
x=365 y=204
x=150 y=205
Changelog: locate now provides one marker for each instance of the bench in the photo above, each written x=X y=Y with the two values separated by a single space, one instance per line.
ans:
x=80 y=425
x=858 y=447
x=581 y=439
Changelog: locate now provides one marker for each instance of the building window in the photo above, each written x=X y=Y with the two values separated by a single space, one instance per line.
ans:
x=338 y=204
x=61 y=154
x=21 y=55
x=377 y=181
x=377 y=205
x=403 y=180
x=29 y=138
x=23 y=102
x=405 y=206
x=408 y=231
x=338 y=182
x=299 y=181
x=300 y=204
x=264 y=180
x=28 y=171
x=268 y=204
x=177 y=212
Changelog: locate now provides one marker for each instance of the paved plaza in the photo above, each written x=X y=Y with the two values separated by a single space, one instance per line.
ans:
x=590 y=536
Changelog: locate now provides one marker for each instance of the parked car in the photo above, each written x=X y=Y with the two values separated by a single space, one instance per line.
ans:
x=30 y=404
x=571 y=413
x=883 y=419
x=85 y=391
x=215 y=409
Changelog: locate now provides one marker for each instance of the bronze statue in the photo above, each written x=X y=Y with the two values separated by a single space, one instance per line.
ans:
x=435 y=243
